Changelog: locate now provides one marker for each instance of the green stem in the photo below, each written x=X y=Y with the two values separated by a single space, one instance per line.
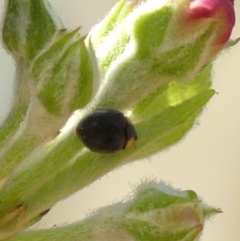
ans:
x=61 y=168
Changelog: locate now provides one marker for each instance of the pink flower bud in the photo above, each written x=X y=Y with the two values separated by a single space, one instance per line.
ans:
x=200 y=14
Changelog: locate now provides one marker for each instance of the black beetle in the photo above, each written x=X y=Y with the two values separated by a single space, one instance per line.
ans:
x=106 y=131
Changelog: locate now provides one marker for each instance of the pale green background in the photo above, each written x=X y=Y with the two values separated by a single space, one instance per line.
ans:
x=207 y=160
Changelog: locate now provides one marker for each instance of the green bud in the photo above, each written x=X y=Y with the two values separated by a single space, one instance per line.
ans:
x=160 y=212
x=24 y=25
x=63 y=74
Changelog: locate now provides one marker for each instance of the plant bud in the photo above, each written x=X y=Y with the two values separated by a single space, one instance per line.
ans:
x=158 y=42
x=27 y=28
